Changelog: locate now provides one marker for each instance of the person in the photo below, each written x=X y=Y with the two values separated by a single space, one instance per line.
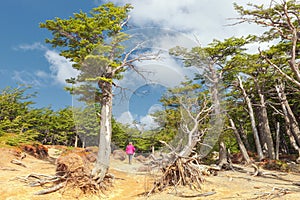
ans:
x=130 y=150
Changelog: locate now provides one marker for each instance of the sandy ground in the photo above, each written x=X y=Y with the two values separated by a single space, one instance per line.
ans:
x=131 y=184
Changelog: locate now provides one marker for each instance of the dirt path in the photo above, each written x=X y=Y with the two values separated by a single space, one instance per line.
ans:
x=131 y=184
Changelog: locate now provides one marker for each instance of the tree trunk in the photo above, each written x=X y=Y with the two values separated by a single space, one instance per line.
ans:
x=217 y=116
x=265 y=133
x=240 y=142
x=223 y=157
x=252 y=119
x=290 y=126
x=187 y=150
x=294 y=123
x=76 y=141
x=103 y=157
x=244 y=137
x=277 y=140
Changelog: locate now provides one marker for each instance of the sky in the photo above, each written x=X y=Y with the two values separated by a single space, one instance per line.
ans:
x=159 y=24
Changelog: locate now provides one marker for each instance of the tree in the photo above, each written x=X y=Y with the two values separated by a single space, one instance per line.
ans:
x=191 y=109
x=292 y=127
x=252 y=119
x=281 y=20
x=212 y=60
x=93 y=43
x=14 y=106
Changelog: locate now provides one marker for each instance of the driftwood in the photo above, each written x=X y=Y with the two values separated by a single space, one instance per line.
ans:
x=52 y=189
x=197 y=195
x=8 y=169
x=275 y=193
x=18 y=162
x=296 y=183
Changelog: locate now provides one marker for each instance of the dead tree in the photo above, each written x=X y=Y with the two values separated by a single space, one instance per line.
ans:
x=183 y=165
x=239 y=141
x=252 y=118
x=191 y=120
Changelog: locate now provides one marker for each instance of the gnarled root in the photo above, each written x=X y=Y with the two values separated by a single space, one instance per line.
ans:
x=183 y=171
x=72 y=171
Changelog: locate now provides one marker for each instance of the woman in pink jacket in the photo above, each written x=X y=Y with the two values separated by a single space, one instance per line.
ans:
x=130 y=151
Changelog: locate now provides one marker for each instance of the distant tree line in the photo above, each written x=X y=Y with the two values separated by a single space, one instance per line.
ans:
x=21 y=122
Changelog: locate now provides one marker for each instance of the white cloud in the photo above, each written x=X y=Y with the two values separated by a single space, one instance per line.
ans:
x=166 y=72
x=27 y=78
x=177 y=23
x=206 y=18
x=148 y=121
x=60 y=67
x=34 y=46
x=41 y=74
x=154 y=108
x=145 y=122
x=125 y=118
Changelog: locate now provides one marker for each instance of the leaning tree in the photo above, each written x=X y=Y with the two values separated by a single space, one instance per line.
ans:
x=93 y=43
x=282 y=27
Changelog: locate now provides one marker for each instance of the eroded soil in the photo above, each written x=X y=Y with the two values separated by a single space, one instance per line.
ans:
x=131 y=184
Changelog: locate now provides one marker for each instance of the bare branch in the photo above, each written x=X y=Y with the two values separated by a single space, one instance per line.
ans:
x=279 y=70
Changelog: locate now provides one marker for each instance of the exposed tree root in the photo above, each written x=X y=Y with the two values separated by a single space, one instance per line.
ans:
x=72 y=171
x=51 y=189
x=183 y=172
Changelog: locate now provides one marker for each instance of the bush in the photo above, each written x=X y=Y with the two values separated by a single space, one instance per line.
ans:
x=277 y=165
x=12 y=139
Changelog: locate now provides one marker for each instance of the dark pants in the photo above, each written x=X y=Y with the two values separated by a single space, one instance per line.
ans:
x=130 y=158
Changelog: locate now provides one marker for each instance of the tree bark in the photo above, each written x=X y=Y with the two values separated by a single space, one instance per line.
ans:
x=240 y=142
x=76 y=141
x=103 y=157
x=277 y=140
x=265 y=133
x=289 y=124
x=252 y=119
x=223 y=156
x=293 y=121
x=244 y=137
x=217 y=116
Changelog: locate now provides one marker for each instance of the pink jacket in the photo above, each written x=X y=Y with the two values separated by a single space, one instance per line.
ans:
x=130 y=149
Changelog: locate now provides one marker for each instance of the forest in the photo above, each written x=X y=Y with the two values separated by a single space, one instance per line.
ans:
x=243 y=102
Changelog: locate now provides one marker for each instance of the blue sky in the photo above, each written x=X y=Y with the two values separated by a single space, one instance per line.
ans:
x=25 y=58
x=20 y=28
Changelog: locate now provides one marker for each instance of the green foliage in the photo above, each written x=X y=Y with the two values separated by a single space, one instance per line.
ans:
x=12 y=139
x=83 y=32
x=119 y=134
x=14 y=107
x=92 y=41
x=278 y=17
x=26 y=124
